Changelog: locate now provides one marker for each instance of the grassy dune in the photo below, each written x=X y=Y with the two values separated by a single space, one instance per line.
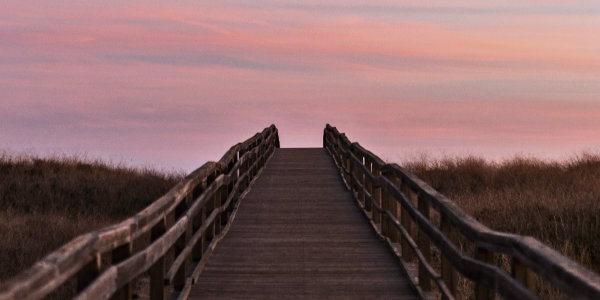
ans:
x=44 y=203
x=556 y=202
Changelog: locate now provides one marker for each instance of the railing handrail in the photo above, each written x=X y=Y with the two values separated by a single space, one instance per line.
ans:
x=373 y=173
x=212 y=189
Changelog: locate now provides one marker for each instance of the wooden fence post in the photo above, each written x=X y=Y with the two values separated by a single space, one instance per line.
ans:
x=88 y=273
x=425 y=247
x=368 y=187
x=210 y=206
x=356 y=180
x=407 y=252
x=348 y=171
x=217 y=206
x=523 y=274
x=352 y=174
x=227 y=210
x=449 y=273
x=391 y=230
x=481 y=291
x=157 y=271
x=180 y=244
x=385 y=204
x=120 y=254
x=376 y=192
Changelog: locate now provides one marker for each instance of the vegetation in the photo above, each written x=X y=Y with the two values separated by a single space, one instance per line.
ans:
x=45 y=202
x=556 y=202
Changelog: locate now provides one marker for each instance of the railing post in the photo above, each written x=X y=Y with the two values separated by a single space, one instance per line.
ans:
x=523 y=274
x=157 y=271
x=352 y=176
x=348 y=172
x=481 y=291
x=227 y=211
x=217 y=206
x=242 y=166
x=198 y=248
x=367 y=188
x=385 y=204
x=407 y=252
x=180 y=244
x=120 y=254
x=88 y=273
x=376 y=192
x=425 y=247
x=449 y=274
x=251 y=164
x=390 y=205
x=358 y=176
x=230 y=191
x=236 y=174
x=210 y=206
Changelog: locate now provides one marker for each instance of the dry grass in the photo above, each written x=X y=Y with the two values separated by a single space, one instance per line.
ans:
x=556 y=202
x=45 y=202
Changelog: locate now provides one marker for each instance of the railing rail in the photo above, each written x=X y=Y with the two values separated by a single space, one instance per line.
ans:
x=401 y=207
x=169 y=241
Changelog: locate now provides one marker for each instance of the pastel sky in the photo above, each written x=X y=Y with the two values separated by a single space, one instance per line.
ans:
x=172 y=84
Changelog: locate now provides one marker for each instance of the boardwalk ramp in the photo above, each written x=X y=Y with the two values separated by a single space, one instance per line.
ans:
x=331 y=222
x=299 y=234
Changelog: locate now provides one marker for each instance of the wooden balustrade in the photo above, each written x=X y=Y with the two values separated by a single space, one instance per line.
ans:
x=398 y=200
x=181 y=229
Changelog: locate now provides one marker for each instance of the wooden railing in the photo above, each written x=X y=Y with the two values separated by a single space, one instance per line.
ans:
x=168 y=242
x=428 y=231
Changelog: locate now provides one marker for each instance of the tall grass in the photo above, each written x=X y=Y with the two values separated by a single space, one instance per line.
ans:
x=45 y=202
x=556 y=202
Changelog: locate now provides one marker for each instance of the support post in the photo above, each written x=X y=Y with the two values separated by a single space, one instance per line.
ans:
x=449 y=274
x=407 y=253
x=385 y=221
x=481 y=291
x=120 y=254
x=367 y=186
x=157 y=271
x=523 y=274
x=376 y=192
x=425 y=247
x=88 y=273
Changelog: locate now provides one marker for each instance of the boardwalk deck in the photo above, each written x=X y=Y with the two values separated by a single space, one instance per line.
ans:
x=299 y=234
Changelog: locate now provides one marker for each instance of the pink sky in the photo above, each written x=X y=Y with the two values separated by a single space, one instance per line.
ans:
x=174 y=85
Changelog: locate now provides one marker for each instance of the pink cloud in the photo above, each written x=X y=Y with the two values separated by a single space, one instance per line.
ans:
x=396 y=77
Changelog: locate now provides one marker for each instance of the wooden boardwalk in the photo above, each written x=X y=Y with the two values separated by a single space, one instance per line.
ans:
x=299 y=234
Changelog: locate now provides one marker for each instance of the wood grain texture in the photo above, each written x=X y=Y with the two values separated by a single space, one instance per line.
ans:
x=299 y=234
x=356 y=165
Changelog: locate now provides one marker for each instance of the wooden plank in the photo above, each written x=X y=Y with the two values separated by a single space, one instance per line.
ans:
x=299 y=234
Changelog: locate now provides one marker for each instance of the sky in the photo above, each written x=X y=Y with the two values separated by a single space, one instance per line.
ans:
x=173 y=84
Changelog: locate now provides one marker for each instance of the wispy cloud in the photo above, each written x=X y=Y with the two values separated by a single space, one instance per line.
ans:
x=112 y=75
